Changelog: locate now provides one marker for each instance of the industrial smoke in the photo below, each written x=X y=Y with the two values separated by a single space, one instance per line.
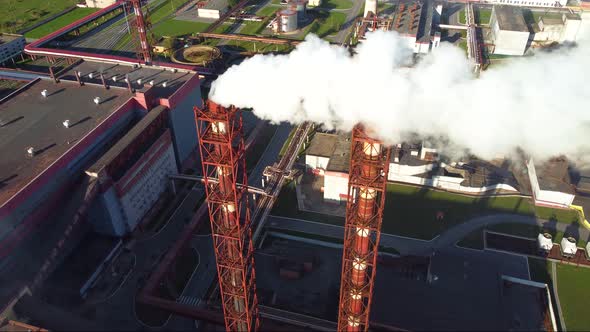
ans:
x=539 y=104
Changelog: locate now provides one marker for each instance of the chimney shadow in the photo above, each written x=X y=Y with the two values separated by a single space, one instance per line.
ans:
x=81 y=121
x=41 y=151
x=4 y=182
x=4 y=124
x=56 y=92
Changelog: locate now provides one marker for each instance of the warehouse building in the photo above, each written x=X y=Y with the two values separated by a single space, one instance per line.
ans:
x=508 y=30
x=557 y=29
x=551 y=184
x=53 y=133
x=413 y=20
x=418 y=164
x=530 y=3
x=213 y=9
x=10 y=46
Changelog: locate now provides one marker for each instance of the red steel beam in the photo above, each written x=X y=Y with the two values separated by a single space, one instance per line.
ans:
x=367 y=186
x=221 y=144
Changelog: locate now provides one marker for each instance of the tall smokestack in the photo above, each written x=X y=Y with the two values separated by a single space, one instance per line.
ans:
x=370 y=6
x=362 y=230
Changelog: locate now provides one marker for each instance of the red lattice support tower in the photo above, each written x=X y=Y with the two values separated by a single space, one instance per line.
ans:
x=367 y=186
x=221 y=143
x=142 y=24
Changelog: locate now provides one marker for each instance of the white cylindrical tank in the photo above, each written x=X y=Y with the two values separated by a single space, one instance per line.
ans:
x=288 y=20
x=370 y=6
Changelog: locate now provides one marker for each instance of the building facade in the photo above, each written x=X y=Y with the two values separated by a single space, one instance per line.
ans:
x=508 y=30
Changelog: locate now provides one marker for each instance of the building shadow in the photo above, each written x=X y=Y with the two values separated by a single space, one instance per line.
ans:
x=81 y=121
x=4 y=182
x=4 y=124
x=43 y=150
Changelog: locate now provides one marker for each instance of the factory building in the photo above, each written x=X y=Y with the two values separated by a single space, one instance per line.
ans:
x=557 y=29
x=415 y=164
x=213 y=9
x=508 y=30
x=133 y=174
x=551 y=184
x=99 y=3
x=10 y=46
x=53 y=133
x=413 y=20
x=530 y=3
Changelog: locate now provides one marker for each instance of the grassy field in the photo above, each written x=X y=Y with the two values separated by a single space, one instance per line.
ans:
x=164 y=9
x=336 y=4
x=327 y=23
x=385 y=7
x=175 y=28
x=573 y=287
x=266 y=11
x=19 y=14
x=60 y=22
x=482 y=16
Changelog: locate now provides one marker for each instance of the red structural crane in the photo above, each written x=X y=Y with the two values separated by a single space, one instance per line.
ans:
x=367 y=183
x=221 y=143
x=142 y=24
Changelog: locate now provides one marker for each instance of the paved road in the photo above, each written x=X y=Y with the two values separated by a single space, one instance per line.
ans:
x=349 y=22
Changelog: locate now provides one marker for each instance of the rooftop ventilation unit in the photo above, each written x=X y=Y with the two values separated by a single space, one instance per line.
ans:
x=139 y=81
x=91 y=75
x=66 y=123
x=31 y=151
x=96 y=100
x=164 y=84
x=152 y=83
x=44 y=93
x=115 y=78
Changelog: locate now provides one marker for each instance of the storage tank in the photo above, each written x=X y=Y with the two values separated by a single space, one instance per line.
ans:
x=288 y=20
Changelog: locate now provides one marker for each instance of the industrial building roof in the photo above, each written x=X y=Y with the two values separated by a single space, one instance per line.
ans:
x=30 y=120
x=322 y=145
x=510 y=18
x=425 y=23
x=551 y=20
x=172 y=79
x=407 y=17
x=8 y=37
x=573 y=16
x=333 y=146
x=554 y=176
x=121 y=144
x=340 y=159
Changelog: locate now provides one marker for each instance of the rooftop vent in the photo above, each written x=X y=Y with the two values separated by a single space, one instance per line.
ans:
x=164 y=84
x=152 y=83
x=174 y=70
x=139 y=81
x=91 y=75
x=126 y=80
x=115 y=78
x=66 y=123
x=44 y=93
x=96 y=100
x=31 y=151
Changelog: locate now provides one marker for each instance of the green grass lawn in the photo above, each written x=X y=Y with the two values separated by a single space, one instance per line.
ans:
x=19 y=14
x=175 y=28
x=164 y=9
x=327 y=23
x=336 y=4
x=266 y=11
x=385 y=7
x=573 y=287
x=60 y=22
x=411 y=211
x=482 y=16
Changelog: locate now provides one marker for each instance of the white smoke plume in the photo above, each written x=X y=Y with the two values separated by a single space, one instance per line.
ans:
x=540 y=104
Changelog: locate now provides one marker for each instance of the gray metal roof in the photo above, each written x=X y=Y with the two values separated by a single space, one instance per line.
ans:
x=30 y=120
x=510 y=18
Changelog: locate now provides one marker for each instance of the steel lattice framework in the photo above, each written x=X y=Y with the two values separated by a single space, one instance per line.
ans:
x=367 y=183
x=142 y=24
x=221 y=144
